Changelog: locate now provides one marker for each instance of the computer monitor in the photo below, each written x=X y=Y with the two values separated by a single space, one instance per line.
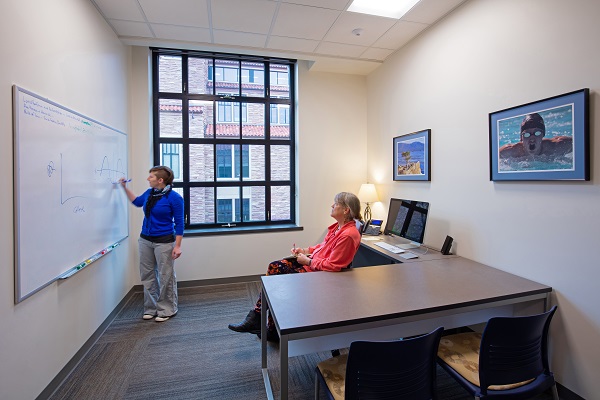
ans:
x=407 y=219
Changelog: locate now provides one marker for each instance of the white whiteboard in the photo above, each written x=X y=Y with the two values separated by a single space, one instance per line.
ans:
x=68 y=210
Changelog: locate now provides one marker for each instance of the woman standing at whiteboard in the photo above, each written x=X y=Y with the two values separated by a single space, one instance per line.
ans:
x=159 y=242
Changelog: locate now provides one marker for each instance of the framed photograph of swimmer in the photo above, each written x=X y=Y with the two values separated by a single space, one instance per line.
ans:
x=412 y=156
x=545 y=140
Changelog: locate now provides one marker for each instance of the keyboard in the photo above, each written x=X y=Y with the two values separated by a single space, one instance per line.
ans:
x=389 y=247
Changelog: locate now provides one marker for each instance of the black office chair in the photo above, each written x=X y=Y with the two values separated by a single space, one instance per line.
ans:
x=509 y=360
x=400 y=369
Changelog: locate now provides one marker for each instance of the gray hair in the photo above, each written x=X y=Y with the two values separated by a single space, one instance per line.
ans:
x=349 y=200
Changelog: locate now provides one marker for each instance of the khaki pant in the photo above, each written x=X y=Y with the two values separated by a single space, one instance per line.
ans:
x=157 y=273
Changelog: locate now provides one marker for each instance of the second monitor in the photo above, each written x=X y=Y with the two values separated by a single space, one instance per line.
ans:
x=407 y=219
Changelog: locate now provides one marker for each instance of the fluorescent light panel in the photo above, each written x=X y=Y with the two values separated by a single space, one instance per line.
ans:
x=383 y=8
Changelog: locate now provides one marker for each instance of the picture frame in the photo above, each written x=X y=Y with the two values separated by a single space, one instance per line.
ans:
x=412 y=156
x=544 y=140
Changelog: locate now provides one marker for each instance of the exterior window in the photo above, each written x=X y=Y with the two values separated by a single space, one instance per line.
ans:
x=229 y=210
x=280 y=114
x=170 y=157
x=230 y=112
x=224 y=124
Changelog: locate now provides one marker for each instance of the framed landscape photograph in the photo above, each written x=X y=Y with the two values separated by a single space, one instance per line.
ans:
x=412 y=156
x=544 y=140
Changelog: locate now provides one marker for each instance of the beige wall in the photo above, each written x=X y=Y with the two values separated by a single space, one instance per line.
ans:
x=487 y=56
x=62 y=50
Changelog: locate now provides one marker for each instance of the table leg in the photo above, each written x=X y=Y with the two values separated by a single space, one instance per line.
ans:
x=283 y=367
x=263 y=346
x=263 y=329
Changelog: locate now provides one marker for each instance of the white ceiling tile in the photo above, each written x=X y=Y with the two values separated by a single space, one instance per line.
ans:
x=292 y=44
x=177 y=12
x=399 y=35
x=339 y=49
x=187 y=33
x=243 y=15
x=120 y=9
x=239 y=38
x=332 y=4
x=372 y=28
x=131 y=28
x=428 y=12
x=303 y=22
x=317 y=29
x=373 y=53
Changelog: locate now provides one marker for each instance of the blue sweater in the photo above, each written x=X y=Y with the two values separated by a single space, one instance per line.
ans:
x=166 y=216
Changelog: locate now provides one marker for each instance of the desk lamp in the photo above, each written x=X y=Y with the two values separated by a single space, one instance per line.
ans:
x=367 y=194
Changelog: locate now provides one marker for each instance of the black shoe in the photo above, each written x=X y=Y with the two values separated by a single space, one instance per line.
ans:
x=272 y=336
x=251 y=324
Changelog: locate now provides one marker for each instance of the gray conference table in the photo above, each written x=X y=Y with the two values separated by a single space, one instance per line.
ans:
x=323 y=311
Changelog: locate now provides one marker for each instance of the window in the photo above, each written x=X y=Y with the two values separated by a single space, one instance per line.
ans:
x=230 y=112
x=224 y=124
x=228 y=161
x=280 y=114
x=170 y=155
x=229 y=210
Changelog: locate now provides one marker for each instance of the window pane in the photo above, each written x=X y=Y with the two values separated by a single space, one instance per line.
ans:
x=280 y=163
x=170 y=118
x=201 y=163
x=202 y=205
x=227 y=197
x=254 y=125
x=170 y=156
x=256 y=163
x=280 y=121
x=198 y=79
x=201 y=119
x=253 y=79
x=280 y=81
x=280 y=203
x=254 y=203
x=226 y=126
x=169 y=74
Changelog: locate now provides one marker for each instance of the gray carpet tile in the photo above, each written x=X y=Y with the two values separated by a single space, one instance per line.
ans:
x=194 y=355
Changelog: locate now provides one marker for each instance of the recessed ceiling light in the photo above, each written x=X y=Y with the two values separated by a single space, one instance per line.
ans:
x=383 y=8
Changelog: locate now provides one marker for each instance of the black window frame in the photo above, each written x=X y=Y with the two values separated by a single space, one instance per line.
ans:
x=185 y=140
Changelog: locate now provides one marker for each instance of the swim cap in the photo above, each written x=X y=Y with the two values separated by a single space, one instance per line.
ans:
x=533 y=121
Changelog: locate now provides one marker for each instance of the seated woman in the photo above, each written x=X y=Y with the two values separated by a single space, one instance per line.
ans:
x=335 y=253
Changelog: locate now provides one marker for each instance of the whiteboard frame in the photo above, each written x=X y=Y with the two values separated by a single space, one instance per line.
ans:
x=69 y=271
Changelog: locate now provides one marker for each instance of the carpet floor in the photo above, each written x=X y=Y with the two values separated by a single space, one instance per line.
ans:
x=194 y=355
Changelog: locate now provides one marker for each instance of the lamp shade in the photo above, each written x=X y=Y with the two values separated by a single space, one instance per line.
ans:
x=367 y=193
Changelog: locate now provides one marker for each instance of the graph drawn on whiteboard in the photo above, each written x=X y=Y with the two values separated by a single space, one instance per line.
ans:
x=68 y=208
x=103 y=173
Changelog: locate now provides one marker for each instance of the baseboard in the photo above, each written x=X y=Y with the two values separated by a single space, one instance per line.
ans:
x=566 y=394
x=76 y=359
x=218 y=281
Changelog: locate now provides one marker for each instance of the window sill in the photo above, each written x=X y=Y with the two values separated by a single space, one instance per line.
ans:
x=241 y=230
